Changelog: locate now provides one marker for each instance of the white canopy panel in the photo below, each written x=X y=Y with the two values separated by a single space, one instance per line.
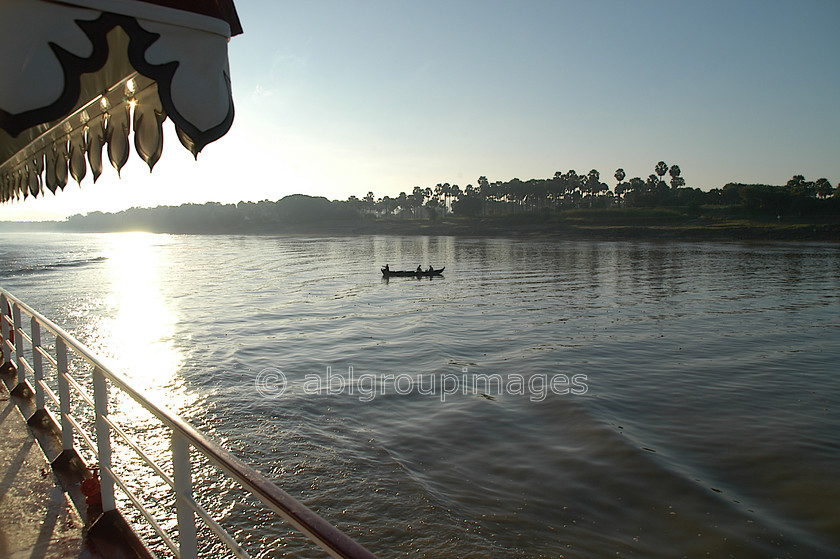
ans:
x=79 y=75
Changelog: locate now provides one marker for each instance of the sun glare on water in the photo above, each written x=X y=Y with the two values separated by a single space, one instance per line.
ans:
x=139 y=337
x=141 y=332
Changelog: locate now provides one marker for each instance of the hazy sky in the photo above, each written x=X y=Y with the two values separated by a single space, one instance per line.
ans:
x=335 y=98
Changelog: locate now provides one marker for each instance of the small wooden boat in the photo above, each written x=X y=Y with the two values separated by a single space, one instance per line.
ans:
x=411 y=273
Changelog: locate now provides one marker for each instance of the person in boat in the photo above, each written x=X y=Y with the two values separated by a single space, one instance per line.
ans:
x=386 y=268
x=431 y=269
x=419 y=269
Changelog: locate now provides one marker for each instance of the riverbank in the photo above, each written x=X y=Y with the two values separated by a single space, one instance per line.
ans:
x=718 y=223
x=654 y=224
x=583 y=229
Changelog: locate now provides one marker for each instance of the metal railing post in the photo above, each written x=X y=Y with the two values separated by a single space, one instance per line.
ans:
x=184 y=440
x=63 y=394
x=37 y=365
x=4 y=310
x=182 y=476
x=21 y=370
x=103 y=439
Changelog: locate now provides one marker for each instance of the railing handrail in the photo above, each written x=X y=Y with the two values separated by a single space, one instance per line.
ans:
x=327 y=536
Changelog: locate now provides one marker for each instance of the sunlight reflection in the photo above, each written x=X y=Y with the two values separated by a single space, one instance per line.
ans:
x=139 y=337
x=141 y=334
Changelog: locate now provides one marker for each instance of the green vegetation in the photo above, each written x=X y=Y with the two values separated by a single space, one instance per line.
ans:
x=575 y=205
x=292 y=213
x=713 y=222
x=567 y=205
x=569 y=190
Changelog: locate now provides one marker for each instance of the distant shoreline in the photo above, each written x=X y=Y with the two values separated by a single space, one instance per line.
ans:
x=521 y=226
x=316 y=216
x=501 y=227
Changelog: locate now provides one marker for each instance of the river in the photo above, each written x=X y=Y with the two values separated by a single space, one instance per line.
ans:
x=544 y=398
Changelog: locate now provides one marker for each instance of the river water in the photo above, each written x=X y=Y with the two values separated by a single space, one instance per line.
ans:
x=543 y=398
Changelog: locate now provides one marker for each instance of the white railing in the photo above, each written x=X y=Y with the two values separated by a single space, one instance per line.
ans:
x=184 y=438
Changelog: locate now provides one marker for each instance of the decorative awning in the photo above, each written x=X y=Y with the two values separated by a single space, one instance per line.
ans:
x=79 y=75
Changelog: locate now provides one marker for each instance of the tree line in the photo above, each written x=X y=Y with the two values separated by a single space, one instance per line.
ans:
x=212 y=217
x=664 y=187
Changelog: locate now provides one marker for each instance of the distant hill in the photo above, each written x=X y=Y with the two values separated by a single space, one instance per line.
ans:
x=291 y=212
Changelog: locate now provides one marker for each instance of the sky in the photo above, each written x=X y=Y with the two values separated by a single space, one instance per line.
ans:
x=340 y=98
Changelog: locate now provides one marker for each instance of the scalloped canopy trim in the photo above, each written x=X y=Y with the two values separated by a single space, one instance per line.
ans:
x=76 y=57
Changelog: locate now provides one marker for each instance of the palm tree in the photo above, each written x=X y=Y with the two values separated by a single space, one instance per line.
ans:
x=652 y=182
x=620 y=174
x=513 y=191
x=540 y=189
x=418 y=196
x=676 y=180
x=555 y=188
x=661 y=169
x=455 y=192
x=439 y=192
x=619 y=188
x=593 y=185
x=573 y=185
x=447 y=192
x=402 y=201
